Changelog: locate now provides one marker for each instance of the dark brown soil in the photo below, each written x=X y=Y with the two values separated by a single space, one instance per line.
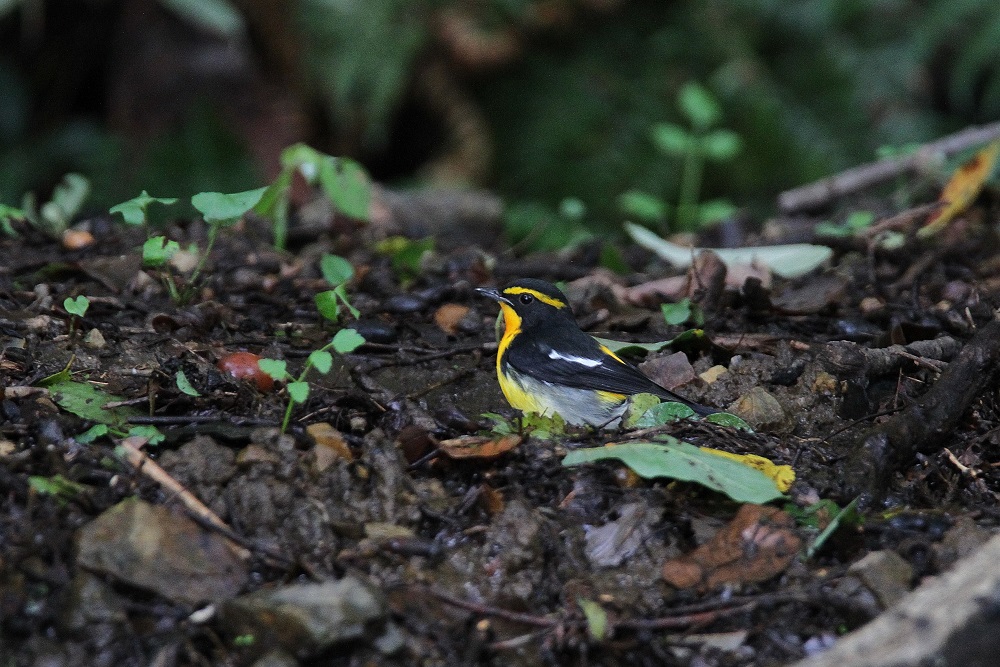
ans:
x=487 y=559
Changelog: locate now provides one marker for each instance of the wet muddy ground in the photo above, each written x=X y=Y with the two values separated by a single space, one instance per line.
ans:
x=359 y=538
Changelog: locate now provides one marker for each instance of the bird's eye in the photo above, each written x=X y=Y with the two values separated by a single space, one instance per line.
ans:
x=526 y=299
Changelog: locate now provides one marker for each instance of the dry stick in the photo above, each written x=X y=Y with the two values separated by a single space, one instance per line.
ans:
x=141 y=462
x=849 y=360
x=824 y=191
x=924 y=425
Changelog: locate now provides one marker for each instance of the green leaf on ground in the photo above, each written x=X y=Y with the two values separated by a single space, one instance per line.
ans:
x=677 y=313
x=664 y=413
x=680 y=460
x=87 y=401
x=597 y=618
x=57 y=486
x=152 y=434
x=185 y=385
x=788 y=261
x=93 y=433
x=848 y=514
x=727 y=419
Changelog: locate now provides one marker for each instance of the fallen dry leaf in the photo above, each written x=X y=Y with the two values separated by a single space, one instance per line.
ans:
x=330 y=444
x=478 y=447
x=962 y=189
x=448 y=316
x=756 y=545
x=77 y=239
x=491 y=499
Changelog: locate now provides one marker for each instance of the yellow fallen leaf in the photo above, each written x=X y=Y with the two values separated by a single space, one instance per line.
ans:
x=962 y=189
x=781 y=475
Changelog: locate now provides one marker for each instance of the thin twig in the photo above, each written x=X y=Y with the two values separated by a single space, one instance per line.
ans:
x=858 y=178
x=147 y=466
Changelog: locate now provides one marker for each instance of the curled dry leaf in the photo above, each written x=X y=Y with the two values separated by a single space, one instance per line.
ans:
x=478 y=447
x=330 y=445
x=448 y=316
x=756 y=545
x=77 y=239
x=963 y=188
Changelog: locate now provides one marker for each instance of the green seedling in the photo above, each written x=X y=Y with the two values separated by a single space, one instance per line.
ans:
x=343 y=181
x=856 y=222
x=8 y=216
x=406 y=255
x=695 y=145
x=133 y=211
x=77 y=308
x=338 y=272
x=55 y=215
x=540 y=427
x=344 y=342
x=219 y=210
x=683 y=312
x=62 y=489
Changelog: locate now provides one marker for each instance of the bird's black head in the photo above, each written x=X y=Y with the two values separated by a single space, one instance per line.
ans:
x=529 y=300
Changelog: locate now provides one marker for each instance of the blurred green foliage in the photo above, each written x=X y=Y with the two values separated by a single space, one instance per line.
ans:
x=811 y=87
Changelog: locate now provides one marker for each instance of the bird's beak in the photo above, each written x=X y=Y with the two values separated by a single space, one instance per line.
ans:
x=493 y=293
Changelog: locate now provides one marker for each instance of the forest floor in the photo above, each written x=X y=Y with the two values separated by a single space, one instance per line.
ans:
x=377 y=531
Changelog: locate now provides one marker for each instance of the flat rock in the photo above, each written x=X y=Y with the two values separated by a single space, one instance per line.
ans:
x=158 y=549
x=306 y=619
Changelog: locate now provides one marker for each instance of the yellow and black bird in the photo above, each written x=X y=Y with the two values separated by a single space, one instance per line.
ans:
x=546 y=364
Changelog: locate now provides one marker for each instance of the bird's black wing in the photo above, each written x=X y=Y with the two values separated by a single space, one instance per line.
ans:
x=587 y=367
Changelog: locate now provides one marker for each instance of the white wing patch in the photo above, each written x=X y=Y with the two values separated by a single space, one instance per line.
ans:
x=573 y=359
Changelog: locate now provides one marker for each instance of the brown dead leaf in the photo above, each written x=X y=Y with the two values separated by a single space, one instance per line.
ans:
x=330 y=445
x=756 y=545
x=962 y=189
x=813 y=296
x=448 y=316
x=77 y=239
x=478 y=447
x=491 y=499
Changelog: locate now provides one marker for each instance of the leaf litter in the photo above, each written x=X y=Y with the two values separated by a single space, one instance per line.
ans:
x=486 y=539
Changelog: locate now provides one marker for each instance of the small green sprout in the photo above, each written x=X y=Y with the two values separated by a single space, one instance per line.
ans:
x=683 y=312
x=694 y=146
x=133 y=211
x=54 y=217
x=342 y=180
x=57 y=486
x=8 y=215
x=337 y=271
x=344 y=342
x=77 y=308
x=406 y=255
